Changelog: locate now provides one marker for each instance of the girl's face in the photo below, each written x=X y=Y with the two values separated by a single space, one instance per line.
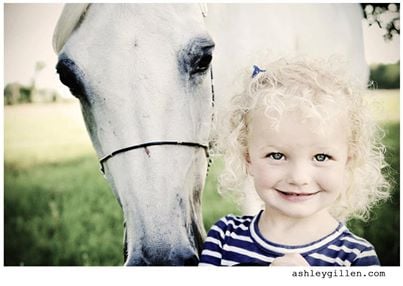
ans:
x=298 y=170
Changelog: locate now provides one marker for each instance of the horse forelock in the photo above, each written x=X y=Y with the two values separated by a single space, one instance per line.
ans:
x=204 y=9
x=71 y=17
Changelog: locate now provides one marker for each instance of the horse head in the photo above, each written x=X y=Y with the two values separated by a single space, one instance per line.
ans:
x=141 y=74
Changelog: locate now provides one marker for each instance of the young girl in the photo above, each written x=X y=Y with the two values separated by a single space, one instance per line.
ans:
x=303 y=134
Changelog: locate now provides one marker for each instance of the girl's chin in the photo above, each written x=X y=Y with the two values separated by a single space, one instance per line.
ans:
x=293 y=209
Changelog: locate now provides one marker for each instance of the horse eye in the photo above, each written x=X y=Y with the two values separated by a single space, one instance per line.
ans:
x=202 y=64
x=71 y=76
x=195 y=58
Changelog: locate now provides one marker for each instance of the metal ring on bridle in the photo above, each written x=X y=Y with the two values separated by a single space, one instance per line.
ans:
x=143 y=145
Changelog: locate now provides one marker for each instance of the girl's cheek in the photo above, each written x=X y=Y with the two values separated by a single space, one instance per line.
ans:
x=270 y=176
x=331 y=180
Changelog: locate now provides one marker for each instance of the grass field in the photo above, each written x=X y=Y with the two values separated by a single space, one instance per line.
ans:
x=59 y=210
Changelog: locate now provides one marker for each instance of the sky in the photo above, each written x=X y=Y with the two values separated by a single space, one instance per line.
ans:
x=28 y=30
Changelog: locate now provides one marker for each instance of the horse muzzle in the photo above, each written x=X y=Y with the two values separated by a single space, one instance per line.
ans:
x=160 y=251
x=181 y=257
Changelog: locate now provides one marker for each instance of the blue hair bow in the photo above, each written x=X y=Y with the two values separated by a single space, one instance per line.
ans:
x=256 y=71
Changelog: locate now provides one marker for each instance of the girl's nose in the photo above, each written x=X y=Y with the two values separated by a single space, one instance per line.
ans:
x=299 y=174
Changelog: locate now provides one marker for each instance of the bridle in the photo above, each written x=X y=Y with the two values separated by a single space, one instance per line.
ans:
x=145 y=145
x=156 y=143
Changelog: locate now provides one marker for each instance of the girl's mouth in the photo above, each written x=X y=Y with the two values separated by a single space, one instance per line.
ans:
x=296 y=197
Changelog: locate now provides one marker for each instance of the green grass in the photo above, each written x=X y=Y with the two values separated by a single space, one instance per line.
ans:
x=61 y=214
x=59 y=210
x=215 y=206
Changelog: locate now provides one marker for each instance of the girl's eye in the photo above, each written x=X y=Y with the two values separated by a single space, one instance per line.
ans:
x=321 y=157
x=275 y=156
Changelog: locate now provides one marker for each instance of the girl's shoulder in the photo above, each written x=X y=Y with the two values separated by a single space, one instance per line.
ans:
x=353 y=240
x=364 y=251
x=232 y=223
x=235 y=220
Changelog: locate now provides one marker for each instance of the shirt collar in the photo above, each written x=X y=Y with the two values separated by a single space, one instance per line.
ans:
x=283 y=249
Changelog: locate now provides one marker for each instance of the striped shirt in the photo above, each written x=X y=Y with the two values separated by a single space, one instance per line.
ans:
x=237 y=240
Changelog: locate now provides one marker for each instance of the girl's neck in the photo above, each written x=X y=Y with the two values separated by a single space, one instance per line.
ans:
x=286 y=230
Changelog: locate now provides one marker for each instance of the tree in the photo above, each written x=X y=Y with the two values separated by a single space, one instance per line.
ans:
x=385 y=15
x=38 y=67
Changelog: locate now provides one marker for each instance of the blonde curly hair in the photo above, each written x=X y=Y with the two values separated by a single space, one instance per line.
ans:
x=316 y=88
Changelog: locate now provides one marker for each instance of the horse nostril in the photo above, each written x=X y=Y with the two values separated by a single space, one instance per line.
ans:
x=71 y=76
x=191 y=261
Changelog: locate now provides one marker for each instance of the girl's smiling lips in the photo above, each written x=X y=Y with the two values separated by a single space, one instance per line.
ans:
x=295 y=196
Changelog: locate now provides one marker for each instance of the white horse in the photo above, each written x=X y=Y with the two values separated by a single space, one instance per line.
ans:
x=142 y=75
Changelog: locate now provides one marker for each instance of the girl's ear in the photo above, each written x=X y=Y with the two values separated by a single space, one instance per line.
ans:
x=248 y=164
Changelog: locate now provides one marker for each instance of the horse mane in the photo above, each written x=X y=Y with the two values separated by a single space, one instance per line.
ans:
x=72 y=15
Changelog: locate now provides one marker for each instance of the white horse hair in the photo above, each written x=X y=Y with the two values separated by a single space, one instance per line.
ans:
x=141 y=73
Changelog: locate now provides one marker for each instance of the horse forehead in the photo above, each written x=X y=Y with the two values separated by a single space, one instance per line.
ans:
x=154 y=19
x=164 y=11
x=131 y=33
x=124 y=28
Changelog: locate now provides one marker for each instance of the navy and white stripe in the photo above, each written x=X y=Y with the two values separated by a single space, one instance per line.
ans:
x=237 y=240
